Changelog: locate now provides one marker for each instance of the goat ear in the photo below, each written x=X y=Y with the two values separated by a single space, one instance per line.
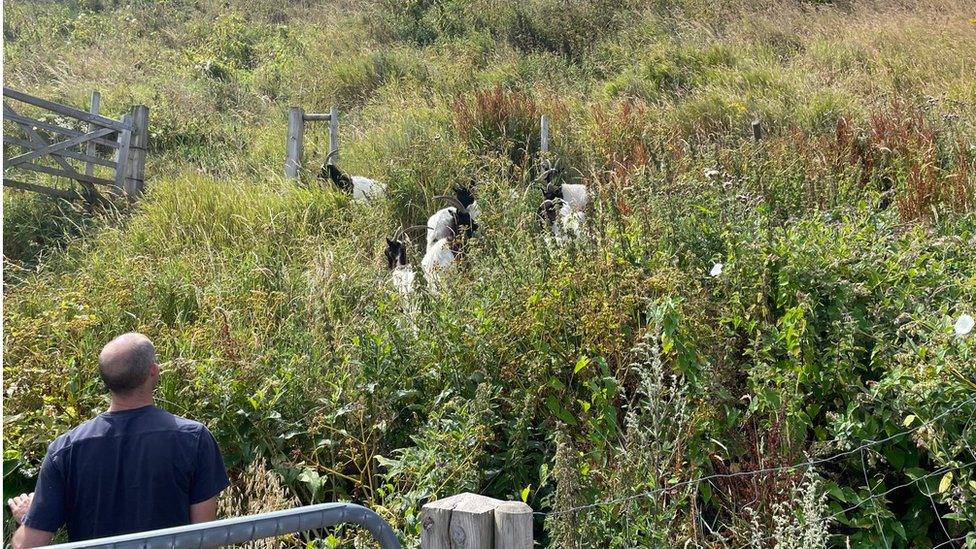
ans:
x=389 y=242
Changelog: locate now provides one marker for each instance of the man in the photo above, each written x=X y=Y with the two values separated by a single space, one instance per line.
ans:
x=130 y=469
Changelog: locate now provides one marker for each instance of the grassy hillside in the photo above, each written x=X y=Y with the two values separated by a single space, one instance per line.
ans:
x=617 y=368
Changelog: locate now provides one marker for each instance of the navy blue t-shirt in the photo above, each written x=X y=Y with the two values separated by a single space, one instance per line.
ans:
x=125 y=472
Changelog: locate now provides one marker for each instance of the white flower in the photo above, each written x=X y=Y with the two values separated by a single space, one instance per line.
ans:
x=717 y=270
x=964 y=325
x=712 y=173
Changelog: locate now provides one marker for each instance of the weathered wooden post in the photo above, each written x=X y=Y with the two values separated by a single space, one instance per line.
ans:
x=135 y=168
x=96 y=103
x=544 y=134
x=513 y=525
x=757 y=131
x=122 y=158
x=294 y=141
x=471 y=521
x=334 y=133
x=94 y=108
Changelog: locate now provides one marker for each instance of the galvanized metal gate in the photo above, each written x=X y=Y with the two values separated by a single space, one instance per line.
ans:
x=254 y=527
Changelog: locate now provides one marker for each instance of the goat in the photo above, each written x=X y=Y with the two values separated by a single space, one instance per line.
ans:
x=462 y=211
x=361 y=188
x=563 y=207
x=402 y=275
x=400 y=270
x=467 y=199
x=443 y=244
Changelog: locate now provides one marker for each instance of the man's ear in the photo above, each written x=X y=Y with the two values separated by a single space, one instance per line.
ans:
x=154 y=370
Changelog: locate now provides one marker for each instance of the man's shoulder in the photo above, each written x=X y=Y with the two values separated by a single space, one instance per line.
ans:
x=182 y=423
x=153 y=420
x=168 y=421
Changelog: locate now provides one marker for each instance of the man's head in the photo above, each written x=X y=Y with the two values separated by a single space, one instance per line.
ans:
x=127 y=364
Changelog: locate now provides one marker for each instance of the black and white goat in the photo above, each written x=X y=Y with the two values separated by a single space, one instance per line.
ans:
x=563 y=208
x=444 y=217
x=401 y=272
x=361 y=188
x=444 y=232
x=402 y=275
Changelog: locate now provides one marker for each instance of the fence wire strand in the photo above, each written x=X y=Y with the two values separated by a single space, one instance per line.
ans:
x=771 y=470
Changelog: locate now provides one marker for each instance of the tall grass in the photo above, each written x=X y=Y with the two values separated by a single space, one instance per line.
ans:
x=565 y=376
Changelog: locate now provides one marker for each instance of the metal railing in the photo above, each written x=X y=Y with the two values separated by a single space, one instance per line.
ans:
x=253 y=527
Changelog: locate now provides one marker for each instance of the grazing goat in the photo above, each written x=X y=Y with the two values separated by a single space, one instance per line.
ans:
x=361 y=188
x=402 y=276
x=443 y=242
x=463 y=211
x=563 y=208
x=400 y=271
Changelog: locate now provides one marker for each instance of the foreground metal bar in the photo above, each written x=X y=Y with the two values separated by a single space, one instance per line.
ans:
x=242 y=529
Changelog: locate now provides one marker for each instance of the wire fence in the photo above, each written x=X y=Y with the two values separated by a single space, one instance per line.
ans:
x=807 y=464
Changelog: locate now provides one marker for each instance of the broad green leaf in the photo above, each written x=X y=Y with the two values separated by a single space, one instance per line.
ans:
x=946 y=483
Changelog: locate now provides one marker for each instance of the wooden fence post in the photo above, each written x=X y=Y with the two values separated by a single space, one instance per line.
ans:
x=294 y=141
x=94 y=108
x=334 y=133
x=513 y=525
x=757 y=131
x=122 y=158
x=471 y=521
x=96 y=105
x=135 y=169
x=544 y=134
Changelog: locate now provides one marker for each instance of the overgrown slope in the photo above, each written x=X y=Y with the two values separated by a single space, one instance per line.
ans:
x=814 y=391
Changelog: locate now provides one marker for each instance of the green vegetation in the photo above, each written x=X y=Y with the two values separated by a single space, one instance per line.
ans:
x=565 y=377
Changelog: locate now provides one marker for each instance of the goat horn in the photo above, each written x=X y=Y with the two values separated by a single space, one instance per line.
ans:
x=415 y=227
x=453 y=201
x=545 y=173
x=331 y=156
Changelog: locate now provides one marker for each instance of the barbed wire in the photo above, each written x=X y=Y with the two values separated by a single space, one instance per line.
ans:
x=757 y=472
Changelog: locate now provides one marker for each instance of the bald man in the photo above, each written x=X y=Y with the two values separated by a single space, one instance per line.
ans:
x=130 y=469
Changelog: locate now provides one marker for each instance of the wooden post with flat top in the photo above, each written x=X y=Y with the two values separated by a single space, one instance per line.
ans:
x=544 y=134
x=294 y=141
x=471 y=521
x=135 y=168
x=334 y=133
